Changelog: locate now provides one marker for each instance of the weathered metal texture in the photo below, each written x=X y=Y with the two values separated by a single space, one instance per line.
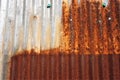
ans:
x=62 y=66
x=90 y=48
x=30 y=24
x=90 y=33
x=89 y=28
x=27 y=24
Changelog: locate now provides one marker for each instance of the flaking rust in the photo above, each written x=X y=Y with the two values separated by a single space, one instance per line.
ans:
x=66 y=27
x=89 y=49
x=96 y=27
x=75 y=20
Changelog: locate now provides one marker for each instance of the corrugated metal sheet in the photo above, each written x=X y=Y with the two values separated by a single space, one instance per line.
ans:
x=27 y=24
x=64 y=66
x=30 y=24
x=93 y=29
x=86 y=32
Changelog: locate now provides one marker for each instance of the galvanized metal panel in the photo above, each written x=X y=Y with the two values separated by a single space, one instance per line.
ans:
x=30 y=24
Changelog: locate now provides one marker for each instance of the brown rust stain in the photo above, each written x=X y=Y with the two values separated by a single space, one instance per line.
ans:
x=64 y=66
x=90 y=48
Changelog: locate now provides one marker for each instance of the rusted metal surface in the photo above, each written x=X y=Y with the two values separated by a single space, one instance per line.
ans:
x=85 y=46
x=62 y=66
x=90 y=48
x=93 y=29
x=26 y=24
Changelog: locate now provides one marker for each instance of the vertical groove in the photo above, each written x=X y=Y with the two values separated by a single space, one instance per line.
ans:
x=53 y=65
x=24 y=68
x=67 y=66
x=80 y=29
x=66 y=29
x=105 y=67
x=86 y=68
x=80 y=46
x=63 y=70
x=75 y=21
x=96 y=66
x=85 y=20
x=19 y=68
x=110 y=64
x=70 y=68
x=80 y=66
x=72 y=62
x=116 y=69
x=100 y=67
x=38 y=67
x=47 y=66
x=11 y=69
x=43 y=66
x=28 y=66
x=60 y=67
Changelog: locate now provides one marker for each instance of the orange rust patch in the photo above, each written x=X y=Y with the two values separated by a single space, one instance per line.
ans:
x=88 y=28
